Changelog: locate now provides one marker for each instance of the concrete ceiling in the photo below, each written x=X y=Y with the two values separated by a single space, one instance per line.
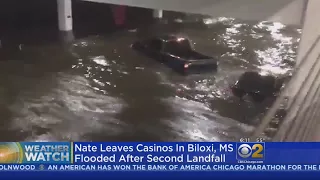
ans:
x=284 y=11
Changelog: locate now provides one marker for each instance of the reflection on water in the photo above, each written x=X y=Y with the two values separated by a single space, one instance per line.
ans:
x=99 y=89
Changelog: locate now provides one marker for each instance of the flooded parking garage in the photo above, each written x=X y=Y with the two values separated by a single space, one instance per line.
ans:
x=97 y=88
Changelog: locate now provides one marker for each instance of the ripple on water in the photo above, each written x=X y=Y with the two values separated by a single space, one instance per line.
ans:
x=265 y=47
x=70 y=112
x=87 y=101
x=197 y=122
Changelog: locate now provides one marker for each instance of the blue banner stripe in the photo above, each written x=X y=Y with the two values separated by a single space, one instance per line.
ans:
x=160 y=159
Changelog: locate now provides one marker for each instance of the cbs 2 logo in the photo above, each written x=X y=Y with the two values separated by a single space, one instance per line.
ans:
x=254 y=151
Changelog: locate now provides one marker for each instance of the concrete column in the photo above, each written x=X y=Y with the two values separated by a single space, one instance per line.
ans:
x=65 y=15
x=305 y=80
x=309 y=49
x=301 y=88
x=291 y=14
x=157 y=13
x=311 y=29
x=66 y=36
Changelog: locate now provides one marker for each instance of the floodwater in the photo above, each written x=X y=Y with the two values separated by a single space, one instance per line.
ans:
x=98 y=89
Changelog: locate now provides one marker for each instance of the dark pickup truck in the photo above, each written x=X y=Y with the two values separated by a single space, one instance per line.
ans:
x=177 y=53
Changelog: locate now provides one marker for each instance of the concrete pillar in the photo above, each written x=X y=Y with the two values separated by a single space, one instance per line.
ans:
x=65 y=15
x=301 y=88
x=305 y=80
x=291 y=14
x=66 y=36
x=157 y=13
x=311 y=29
x=309 y=49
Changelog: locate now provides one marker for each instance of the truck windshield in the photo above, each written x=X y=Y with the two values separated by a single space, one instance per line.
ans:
x=178 y=47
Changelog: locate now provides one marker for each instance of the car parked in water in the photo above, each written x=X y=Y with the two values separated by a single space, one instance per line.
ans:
x=257 y=86
x=177 y=53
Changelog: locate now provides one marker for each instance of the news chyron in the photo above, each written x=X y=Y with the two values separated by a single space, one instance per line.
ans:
x=31 y=152
x=250 y=152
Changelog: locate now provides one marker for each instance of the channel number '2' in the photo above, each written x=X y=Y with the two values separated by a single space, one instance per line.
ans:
x=257 y=148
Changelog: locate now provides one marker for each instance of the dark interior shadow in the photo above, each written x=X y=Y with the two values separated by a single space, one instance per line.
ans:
x=37 y=22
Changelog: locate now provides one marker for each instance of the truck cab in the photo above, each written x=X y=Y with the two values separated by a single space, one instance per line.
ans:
x=176 y=52
x=176 y=47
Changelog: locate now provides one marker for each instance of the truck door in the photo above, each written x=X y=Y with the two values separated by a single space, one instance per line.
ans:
x=155 y=48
